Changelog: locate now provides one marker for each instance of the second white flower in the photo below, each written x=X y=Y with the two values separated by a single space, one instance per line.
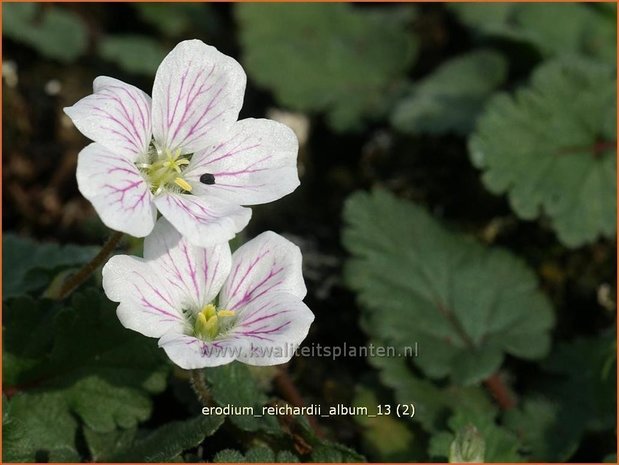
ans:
x=209 y=307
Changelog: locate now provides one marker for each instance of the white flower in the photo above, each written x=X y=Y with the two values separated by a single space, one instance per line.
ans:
x=184 y=153
x=258 y=318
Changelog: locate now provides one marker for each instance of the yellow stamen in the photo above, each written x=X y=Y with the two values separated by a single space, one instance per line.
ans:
x=207 y=324
x=212 y=326
x=180 y=182
x=200 y=325
x=226 y=313
x=209 y=310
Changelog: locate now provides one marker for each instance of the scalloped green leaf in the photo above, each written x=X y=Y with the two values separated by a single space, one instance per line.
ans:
x=259 y=454
x=229 y=456
x=553 y=28
x=465 y=305
x=38 y=428
x=331 y=452
x=27 y=263
x=501 y=445
x=101 y=445
x=433 y=403
x=552 y=148
x=547 y=435
x=54 y=32
x=166 y=443
x=332 y=58
x=450 y=98
x=73 y=378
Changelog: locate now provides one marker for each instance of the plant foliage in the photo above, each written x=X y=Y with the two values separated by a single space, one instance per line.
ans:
x=287 y=48
x=420 y=283
x=551 y=148
x=451 y=97
x=575 y=28
x=55 y=33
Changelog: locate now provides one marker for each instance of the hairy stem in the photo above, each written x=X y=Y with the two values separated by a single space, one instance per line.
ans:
x=597 y=149
x=494 y=383
x=291 y=394
x=500 y=392
x=78 y=278
x=199 y=386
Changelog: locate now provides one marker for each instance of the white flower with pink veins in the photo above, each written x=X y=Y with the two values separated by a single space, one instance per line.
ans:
x=209 y=307
x=183 y=153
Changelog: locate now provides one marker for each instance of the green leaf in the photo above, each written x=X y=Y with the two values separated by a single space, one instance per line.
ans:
x=229 y=456
x=465 y=305
x=233 y=384
x=564 y=160
x=260 y=454
x=119 y=367
x=545 y=435
x=553 y=28
x=332 y=452
x=433 y=403
x=102 y=445
x=580 y=397
x=38 y=428
x=167 y=442
x=54 y=32
x=28 y=338
x=501 y=445
x=586 y=387
x=27 y=263
x=490 y=18
x=133 y=53
x=451 y=97
x=93 y=370
x=173 y=19
x=333 y=58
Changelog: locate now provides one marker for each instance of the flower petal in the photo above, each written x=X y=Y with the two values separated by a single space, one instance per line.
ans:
x=116 y=115
x=196 y=273
x=267 y=264
x=191 y=353
x=256 y=163
x=147 y=304
x=197 y=91
x=116 y=189
x=203 y=222
x=274 y=324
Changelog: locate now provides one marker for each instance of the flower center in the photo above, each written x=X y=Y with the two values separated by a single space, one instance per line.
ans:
x=165 y=172
x=211 y=322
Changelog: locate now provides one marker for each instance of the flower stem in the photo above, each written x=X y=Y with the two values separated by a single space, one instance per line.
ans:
x=199 y=387
x=78 y=278
x=289 y=392
x=500 y=392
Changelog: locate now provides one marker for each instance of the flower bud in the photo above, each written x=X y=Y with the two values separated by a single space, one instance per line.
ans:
x=468 y=446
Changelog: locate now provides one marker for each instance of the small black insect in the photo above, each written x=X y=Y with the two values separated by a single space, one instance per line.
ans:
x=207 y=178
